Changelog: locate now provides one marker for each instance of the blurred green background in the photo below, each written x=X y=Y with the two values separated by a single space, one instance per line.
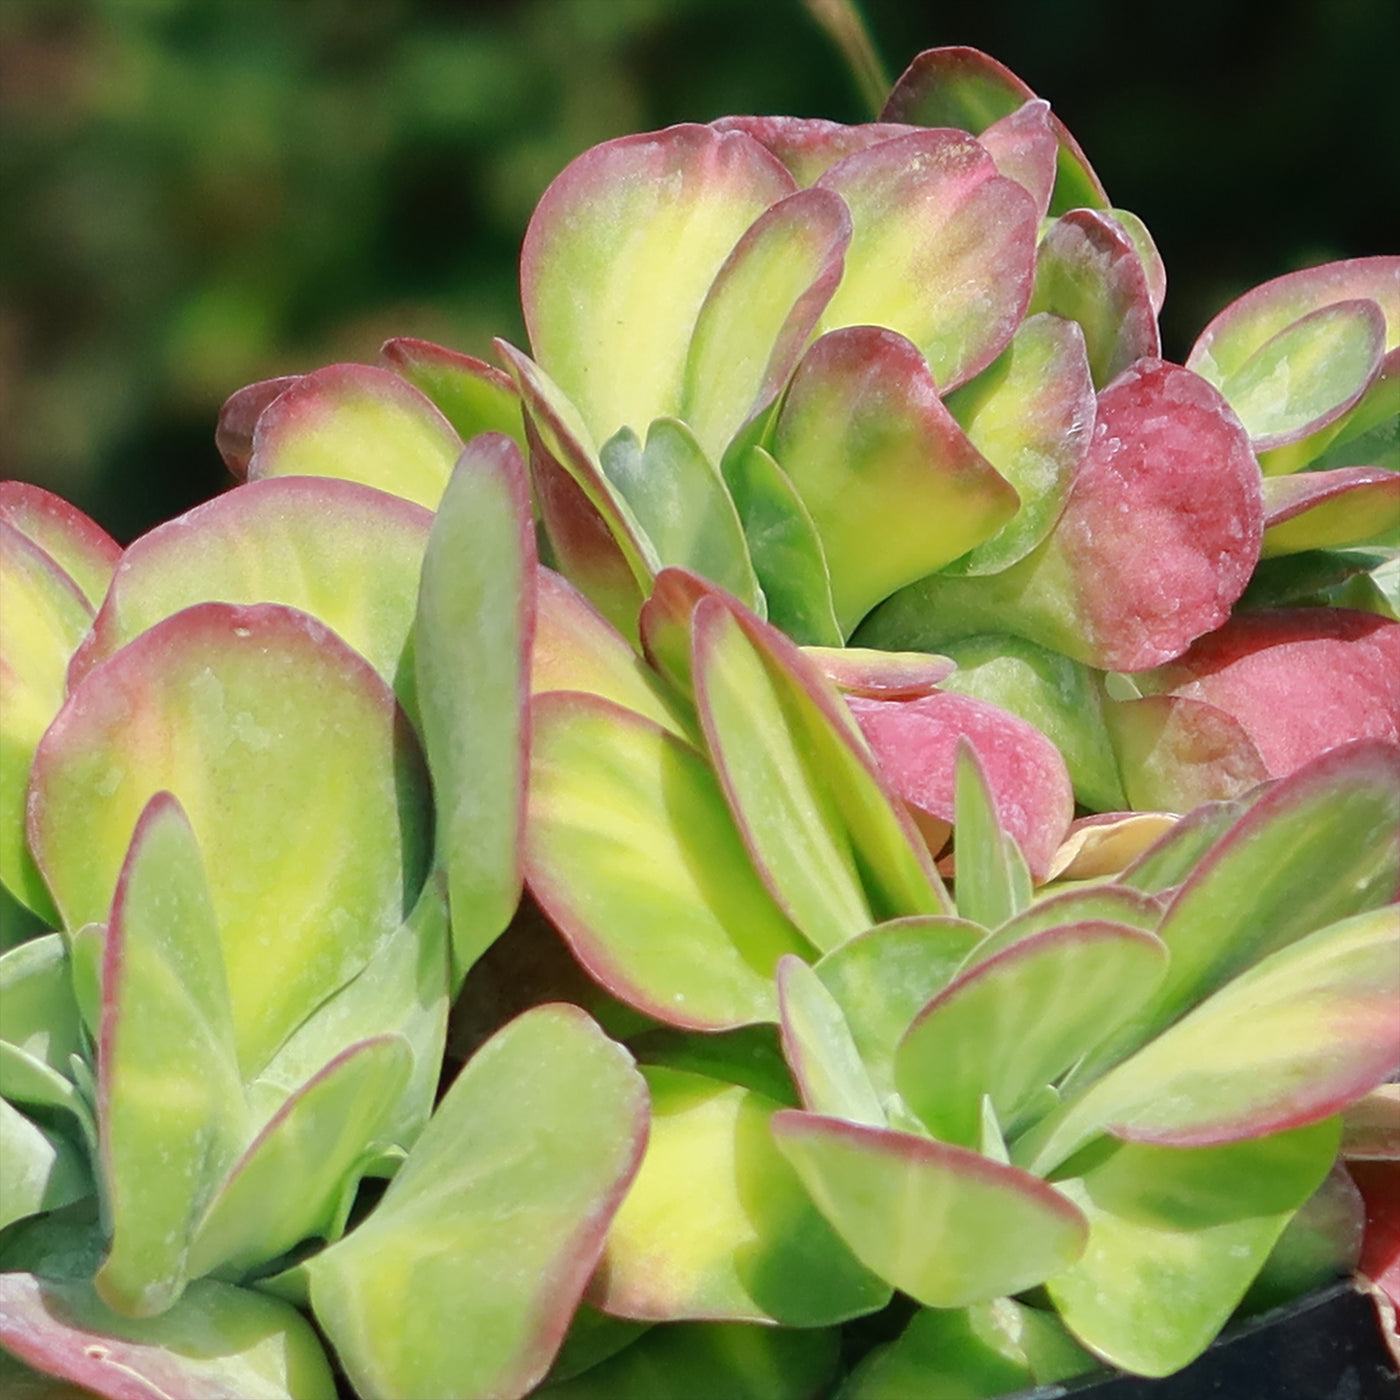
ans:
x=201 y=193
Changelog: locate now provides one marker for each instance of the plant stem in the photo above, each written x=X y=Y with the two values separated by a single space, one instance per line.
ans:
x=843 y=22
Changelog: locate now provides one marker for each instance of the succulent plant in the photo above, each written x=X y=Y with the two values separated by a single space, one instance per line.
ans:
x=617 y=722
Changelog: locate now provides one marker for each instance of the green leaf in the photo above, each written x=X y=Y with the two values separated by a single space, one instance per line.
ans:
x=464 y=1277
x=944 y=1224
x=216 y=1341
x=993 y=883
x=473 y=633
x=881 y=978
x=361 y=424
x=1175 y=1237
x=290 y=758
x=718 y=1226
x=39 y=1023
x=704 y=1360
x=680 y=502
x=41 y=1170
x=895 y=488
x=628 y=218
x=296 y=1178
x=815 y=813
x=628 y=833
x=821 y=1050
x=1322 y=509
x=78 y=545
x=1017 y=1020
x=1113 y=904
x=171 y=1113
x=473 y=396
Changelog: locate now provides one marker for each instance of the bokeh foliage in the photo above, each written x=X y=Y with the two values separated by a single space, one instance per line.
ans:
x=200 y=193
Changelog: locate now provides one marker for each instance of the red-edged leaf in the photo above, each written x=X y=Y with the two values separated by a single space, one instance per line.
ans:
x=473 y=396
x=1319 y=509
x=78 y=545
x=809 y=146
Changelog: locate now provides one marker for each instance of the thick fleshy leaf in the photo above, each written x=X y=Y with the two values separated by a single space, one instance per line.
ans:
x=1299 y=680
x=1293 y=1039
x=810 y=146
x=1177 y=852
x=628 y=832
x=217 y=1341
x=1299 y=350
x=945 y=1225
x=1367 y=435
x=821 y=1050
x=345 y=553
x=42 y=1170
x=1097 y=904
x=751 y=1056
x=360 y=423
x=667 y=622
x=473 y=396
x=680 y=502
x=718 y=1226
x=45 y=618
x=1107 y=843
x=171 y=1113
x=78 y=545
x=785 y=547
x=289 y=757
x=625 y=219
x=986 y=1350
x=239 y=417
x=1175 y=753
x=1024 y=147
x=993 y=882
x=760 y=312
x=1168 y=455
x=965 y=88
x=703 y=1360
x=297 y=1177
x=39 y=1022
x=942 y=251
x=916 y=741
x=1320 y=509
x=1030 y=413
x=1061 y=697
x=1088 y=270
x=597 y=540
x=1175 y=1237
x=1018 y=1019
x=463 y=1279
x=473 y=637
x=894 y=486
x=882 y=977
x=821 y=824
x=882 y=675
x=576 y=649
x=1152 y=263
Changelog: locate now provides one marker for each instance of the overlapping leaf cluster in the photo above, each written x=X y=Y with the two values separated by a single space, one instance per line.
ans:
x=869 y=513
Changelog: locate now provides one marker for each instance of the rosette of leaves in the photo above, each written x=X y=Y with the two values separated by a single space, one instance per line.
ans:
x=1072 y=1127
x=264 y=903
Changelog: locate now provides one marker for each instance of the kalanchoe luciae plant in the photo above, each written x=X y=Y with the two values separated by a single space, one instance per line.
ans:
x=277 y=771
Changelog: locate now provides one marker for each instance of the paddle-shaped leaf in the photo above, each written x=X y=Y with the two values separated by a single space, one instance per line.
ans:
x=217 y=1341
x=759 y=313
x=473 y=634
x=1098 y=904
x=1018 y=1019
x=809 y=146
x=359 y=423
x=817 y=818
x=821 y=1050
x=473 y=396
x=1088 y=270
x=1319 y=509
x=965 y=88
x=944 y=1224
x=893 y=485
x=297 y=1177
x=464 y=1277
x=39 y=1025
x=882 y=675
x=882 y=977
x=45 y=618
x=43 y=1169
x=624 y=220
x=628 y=833
x=1175 y=1237
x=78 y=545
x=1294 y=1039
x=1030 y=413
x=290 y=759
x=171 y=1115
x=345 y=553
x=942 y=249
x=1024 y=147
x=717 y=1225
x=679 y=500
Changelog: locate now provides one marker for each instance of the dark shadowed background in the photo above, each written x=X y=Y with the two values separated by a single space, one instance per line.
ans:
x=199 y=193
